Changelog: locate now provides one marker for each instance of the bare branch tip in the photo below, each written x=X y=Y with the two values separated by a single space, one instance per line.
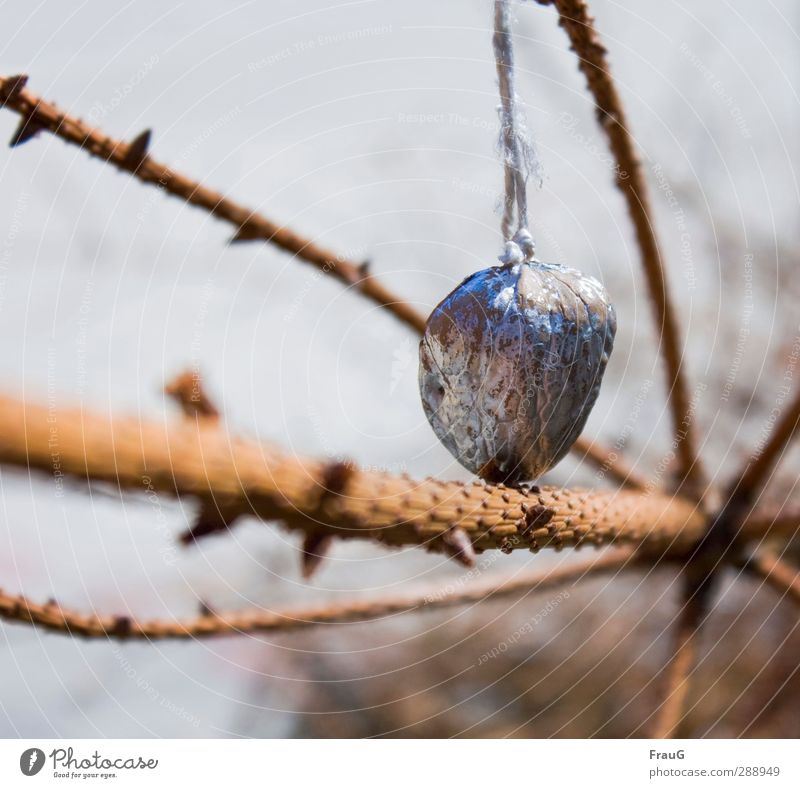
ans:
x=187 y=390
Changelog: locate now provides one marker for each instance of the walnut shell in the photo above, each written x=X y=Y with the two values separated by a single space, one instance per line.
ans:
x=511 y=364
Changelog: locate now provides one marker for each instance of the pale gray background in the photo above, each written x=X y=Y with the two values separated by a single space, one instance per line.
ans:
x=311 y=112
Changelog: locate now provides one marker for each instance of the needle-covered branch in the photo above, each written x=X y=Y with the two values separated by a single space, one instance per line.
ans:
x=578 y=24
x=133 y=157
x=237 y=477
x=53 y=617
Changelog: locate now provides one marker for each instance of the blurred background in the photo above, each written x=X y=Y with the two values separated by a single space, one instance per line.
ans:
x=371 y=127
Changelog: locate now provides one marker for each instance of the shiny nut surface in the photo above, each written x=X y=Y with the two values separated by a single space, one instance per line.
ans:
x=511 y=364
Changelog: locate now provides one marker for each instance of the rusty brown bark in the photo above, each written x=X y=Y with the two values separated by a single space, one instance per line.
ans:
x=40 y=115
x=781 y=523
x=577 y=22
x=679 y=668
x=242 y=477
x=755 y=474
x=777 y=573
x=51 y=616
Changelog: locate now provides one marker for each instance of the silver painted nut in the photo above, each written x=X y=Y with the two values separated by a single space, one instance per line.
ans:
x=511 y=364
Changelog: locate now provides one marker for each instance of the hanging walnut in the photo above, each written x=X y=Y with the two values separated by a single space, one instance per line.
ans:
x=511 y=364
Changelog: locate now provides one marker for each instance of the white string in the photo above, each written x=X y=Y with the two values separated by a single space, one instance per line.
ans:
x=519 y=159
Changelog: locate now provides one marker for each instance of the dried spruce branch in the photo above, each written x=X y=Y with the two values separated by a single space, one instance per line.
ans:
x=239 y=477
x=53 y=617
x=578 y=24
x=39 y=115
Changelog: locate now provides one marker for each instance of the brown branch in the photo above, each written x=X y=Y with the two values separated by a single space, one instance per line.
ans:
x=754 y=475
x=778 y=574
x=242 y=477
x=734 y=524
x=188 y=391
x=600 y=457
x=52 y=617
x=39 y=115
x=678 y=670
x=781 y=522
x=578 y=24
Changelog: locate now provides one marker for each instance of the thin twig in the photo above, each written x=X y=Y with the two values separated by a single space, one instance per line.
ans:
x=776 y=573
x=678 y=670
x=40 y=115
x=781 y=522
x=188 y=391
x=52 y=617
x=754 y=475
x=617 y=469
x=241 y=477
x=576 y=21
x=733 y=524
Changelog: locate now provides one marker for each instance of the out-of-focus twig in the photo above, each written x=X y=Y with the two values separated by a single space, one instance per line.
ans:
x=188 y=391
x=40 y=115
x=753 y=476
x=678 y=670
x=617 y=469
x=736 y=523
x=783 y=522
x=578 y=24
x=53 y=617
x=777 y=573
x=242 y=477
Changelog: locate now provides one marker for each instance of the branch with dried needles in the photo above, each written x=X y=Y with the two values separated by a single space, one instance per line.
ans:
x=133 y=157
x=232 y=477
x=53 y=617
x=237 y=477
x=578 y=24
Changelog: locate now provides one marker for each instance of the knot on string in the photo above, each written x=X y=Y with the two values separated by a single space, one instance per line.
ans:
x=520 y=249
x=512 y=254
x=524 y=240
